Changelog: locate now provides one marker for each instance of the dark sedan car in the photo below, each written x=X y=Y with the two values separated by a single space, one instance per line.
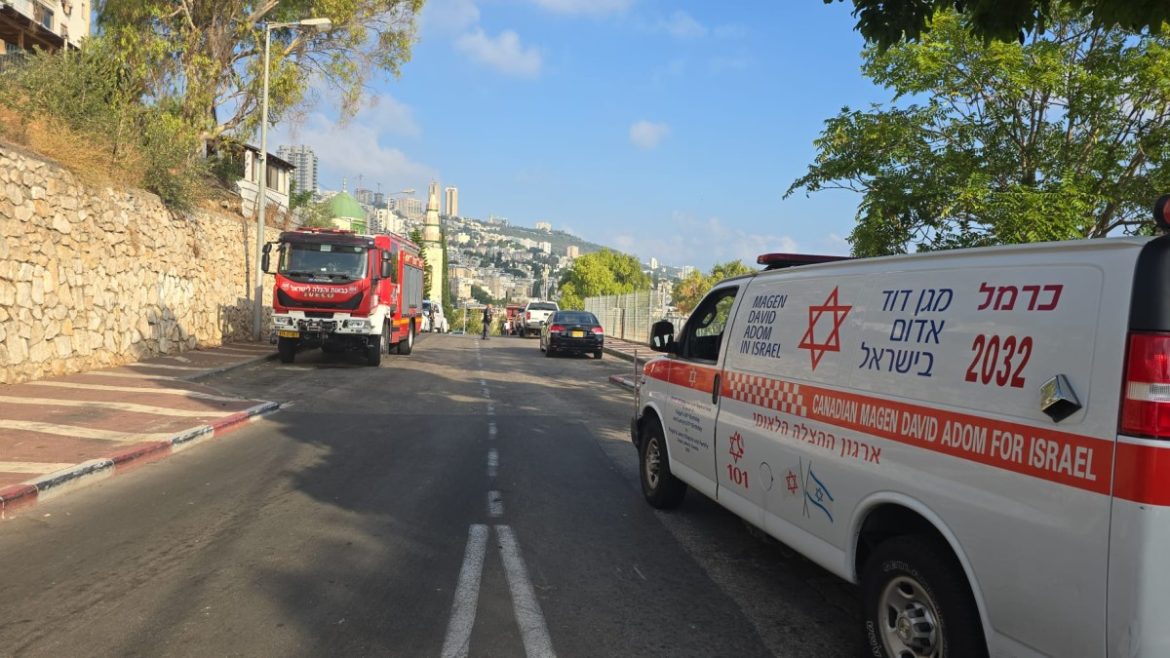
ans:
x=573 y=332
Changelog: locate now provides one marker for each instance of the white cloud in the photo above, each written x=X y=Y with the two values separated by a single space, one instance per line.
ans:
x=702 y=243
x=682 y=25
x=391 y=116
x=647 y=134
x=722 y=63
x=504 y=53
x=338 y=146
x=449 y=15
x=591 y=7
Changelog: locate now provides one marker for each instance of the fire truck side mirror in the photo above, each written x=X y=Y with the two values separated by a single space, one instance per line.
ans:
x=389 y=267
x=265 y=260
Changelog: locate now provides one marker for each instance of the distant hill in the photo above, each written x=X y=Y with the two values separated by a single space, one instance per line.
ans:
x=558 y=239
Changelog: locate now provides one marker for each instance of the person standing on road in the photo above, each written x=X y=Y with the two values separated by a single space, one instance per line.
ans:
x=487 y=320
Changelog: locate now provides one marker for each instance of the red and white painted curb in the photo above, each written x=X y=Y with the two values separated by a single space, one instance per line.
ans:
x=125 y=459
x=623 y=380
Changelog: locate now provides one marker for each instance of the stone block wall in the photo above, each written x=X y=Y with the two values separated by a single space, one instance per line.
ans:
x=100 y=277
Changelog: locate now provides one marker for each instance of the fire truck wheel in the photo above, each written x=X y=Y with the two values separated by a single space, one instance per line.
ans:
x=375 y=349
x=659 y=486
x=917 y=601
x=406 y=345
x=287 y=348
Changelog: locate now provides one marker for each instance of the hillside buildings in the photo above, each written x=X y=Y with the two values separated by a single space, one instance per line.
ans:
x=305 y=160
x=26 y=25
x=451 y=201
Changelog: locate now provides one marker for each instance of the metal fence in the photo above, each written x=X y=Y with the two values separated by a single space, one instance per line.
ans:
x=629 y=316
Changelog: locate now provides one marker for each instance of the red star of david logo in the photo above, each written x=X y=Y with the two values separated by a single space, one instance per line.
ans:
x=736 y=450
x=791 y=482
x=833 y=342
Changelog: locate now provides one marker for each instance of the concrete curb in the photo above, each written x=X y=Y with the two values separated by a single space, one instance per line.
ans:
x=624 y=381
x=125 y=459
x=231 y=366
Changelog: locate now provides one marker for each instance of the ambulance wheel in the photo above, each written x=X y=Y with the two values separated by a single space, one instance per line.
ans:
x=406 y=345
x=659 y=486
x=917 y=602
x=287 y=349
x=597 y=354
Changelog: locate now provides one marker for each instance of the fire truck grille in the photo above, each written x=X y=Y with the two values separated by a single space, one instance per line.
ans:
x=347 y=305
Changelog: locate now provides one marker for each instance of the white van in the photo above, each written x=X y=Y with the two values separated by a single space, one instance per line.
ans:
x=979 y=438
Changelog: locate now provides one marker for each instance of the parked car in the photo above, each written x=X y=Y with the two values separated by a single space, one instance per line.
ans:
x=534 y=316
x=576 y=332
x=440 y=321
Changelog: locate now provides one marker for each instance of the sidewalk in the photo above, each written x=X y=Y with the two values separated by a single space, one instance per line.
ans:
x=56 y=432
x=624 y=349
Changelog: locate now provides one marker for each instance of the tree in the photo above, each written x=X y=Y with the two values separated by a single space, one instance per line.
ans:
x=1064 y=136
x=689 y=290
x=604 y=272
x=417 y=238
x=206 y=55
x=887 y=22
x=315 y=215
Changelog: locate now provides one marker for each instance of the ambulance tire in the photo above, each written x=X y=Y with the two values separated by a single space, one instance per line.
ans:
x=287 y=349
x=659 y=486
x=916 y=601
x=597 y=354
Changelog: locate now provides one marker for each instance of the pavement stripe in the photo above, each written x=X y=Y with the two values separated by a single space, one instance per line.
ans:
x=533 y=630
x=139 y=389
x=493 y=465
x=240 y=350
x=35 y=468
x=76 y=432
x=125 y=375
x=120 y=406
x=495 y=504
x=457 y=644
x=164 y=366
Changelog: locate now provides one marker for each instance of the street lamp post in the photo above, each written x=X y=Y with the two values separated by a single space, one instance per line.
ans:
x=322 y=24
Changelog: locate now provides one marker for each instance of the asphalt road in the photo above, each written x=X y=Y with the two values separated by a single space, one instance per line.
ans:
x=473 y=498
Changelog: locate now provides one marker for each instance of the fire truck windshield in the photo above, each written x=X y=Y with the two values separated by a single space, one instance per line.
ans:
x=323 y=260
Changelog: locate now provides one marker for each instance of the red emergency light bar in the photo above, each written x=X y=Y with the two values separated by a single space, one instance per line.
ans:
x=781 y=261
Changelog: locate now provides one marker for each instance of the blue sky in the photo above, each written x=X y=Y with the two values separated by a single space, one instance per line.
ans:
x=664 y=129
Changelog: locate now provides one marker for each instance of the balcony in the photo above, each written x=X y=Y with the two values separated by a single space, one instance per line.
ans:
x=30 y=24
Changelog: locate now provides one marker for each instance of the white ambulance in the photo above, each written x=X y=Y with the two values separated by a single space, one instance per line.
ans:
x=979 y=438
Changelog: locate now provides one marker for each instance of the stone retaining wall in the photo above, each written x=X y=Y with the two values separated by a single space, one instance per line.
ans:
x=100 y=277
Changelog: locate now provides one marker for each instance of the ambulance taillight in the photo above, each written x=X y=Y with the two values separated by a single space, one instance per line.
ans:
x=1145 y=408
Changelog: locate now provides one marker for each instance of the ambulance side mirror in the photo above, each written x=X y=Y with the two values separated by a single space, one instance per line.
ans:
x=265 y=260
x=662 y=336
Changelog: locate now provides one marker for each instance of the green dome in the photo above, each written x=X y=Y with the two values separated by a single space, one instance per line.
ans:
x=344 y=205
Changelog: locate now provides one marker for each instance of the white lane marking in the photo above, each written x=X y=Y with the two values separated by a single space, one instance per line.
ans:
x=643 y=576
x=492 y=430
x=487 y=394
x=35 y=468
x=533 y=630
x=493 y=463
x=126 y=375
x=76 y=432
x=458 y=640
x=138 y=389
x=491 y=409
x=483 y=383
x=495 y=504
x=119 y=406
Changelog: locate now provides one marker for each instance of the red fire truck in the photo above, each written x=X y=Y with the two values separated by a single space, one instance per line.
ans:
x=342 y=291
